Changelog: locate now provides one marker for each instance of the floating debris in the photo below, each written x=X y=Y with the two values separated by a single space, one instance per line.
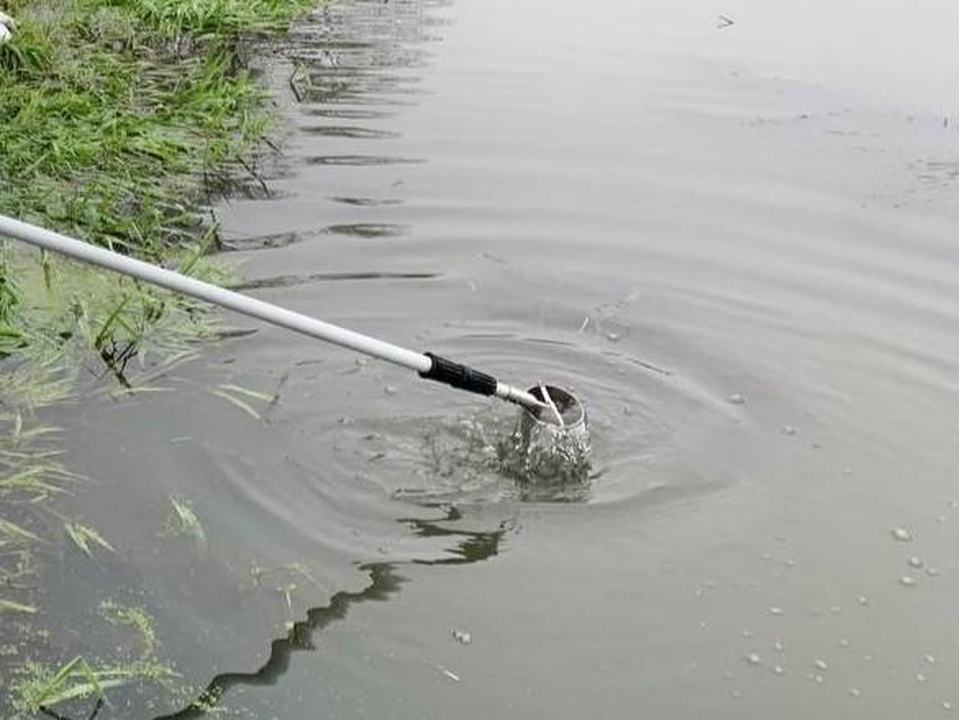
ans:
x=901 y=534
x=462 y=637
x=449 y=674
x=908 y=581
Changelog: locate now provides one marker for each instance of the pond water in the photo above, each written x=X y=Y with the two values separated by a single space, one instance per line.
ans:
x=733 y=238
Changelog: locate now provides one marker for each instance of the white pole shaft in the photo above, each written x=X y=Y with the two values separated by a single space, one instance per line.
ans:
x=211 y=293
x=243 y=304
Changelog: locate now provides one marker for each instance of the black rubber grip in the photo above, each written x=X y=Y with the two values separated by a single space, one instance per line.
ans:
x=459 y=376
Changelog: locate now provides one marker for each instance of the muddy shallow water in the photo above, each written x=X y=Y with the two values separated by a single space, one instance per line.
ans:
x=737 y=249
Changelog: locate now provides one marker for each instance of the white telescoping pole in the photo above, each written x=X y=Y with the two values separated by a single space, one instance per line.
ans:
x=427 y=365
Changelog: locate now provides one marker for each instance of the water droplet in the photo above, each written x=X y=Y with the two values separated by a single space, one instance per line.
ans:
x=613 y=336
x=779 y=646
x=736 y=694
x=820 y=664
x=461 y=636
x=834 y=609
x=921 y=677
x=390 y=390
x=930 y=659
x=947 y=705
x=788 y=430
x=776 y=611
x=737 y=399
x=844 y=642
x=754 y=659
x=855 y=692
x=818 y=679
x=915 y=562
x=746 y=633
x=908 y=581
x=779 y=670
x=901 y=534
x=790 y=562
x=862 y=600
x=932 y=571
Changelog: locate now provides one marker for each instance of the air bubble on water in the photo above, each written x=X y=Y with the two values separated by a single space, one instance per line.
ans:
x=816 y=678
x=737 y=399
x=613 y=336
x=779 y=670
x=861 y=600
x=790 y=562
x=932 y=571
x=779 y=646
x=901 y=534
x=776 y=611
x=844 y=642
x=930 y=659
x=915 y=562
x=921 y=677
x=820 y=664
x=947 y=705
x=855 y=692
x=788 y=430
x=754 y=659
x=908 y=581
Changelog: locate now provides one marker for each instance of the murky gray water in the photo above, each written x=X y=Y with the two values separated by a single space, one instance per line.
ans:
x=737 y=245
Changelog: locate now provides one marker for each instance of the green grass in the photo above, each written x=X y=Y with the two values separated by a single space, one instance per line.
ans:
x=121 y=121
x=118 y=117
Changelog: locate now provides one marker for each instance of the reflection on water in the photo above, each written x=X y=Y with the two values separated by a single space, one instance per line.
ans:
x=385 y=581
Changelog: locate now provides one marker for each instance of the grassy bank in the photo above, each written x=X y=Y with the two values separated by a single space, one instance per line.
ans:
x=120 y=122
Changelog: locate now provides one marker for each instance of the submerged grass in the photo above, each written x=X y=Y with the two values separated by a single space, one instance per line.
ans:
x=120 y=121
